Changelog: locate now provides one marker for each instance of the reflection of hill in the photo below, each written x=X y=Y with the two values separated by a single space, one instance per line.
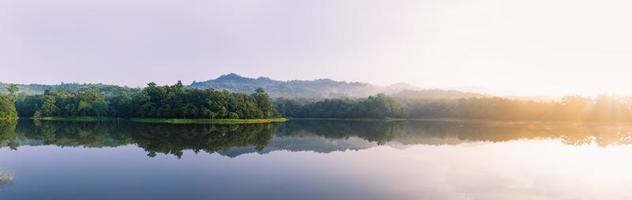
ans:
x=300 y=135
x=305 y=143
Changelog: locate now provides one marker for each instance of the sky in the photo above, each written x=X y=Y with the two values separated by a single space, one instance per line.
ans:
x=511 y=47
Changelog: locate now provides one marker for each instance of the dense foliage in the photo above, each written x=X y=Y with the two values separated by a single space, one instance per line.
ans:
x=572 y=108
x=379 y=106
x=175 y=101
x=7 y=103
x=7 y=107
x=178 y=101
x=38 y=89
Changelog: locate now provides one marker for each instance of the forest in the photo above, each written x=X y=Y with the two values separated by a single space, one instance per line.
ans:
x=7 y=103
x=379 y=106
x=180 y=102
x=570 y=108
x=170 y=101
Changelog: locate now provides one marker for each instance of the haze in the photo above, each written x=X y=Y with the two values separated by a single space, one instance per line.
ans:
x=510 y=47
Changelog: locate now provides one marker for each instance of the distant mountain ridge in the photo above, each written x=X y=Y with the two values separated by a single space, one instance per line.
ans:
x=319 y=88
x=307 y=89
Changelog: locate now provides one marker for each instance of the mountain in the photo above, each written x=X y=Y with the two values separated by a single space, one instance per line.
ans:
x=320 y=88
x=307 y=89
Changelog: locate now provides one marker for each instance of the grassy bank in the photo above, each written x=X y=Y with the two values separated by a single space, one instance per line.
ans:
x=208 y=121
x=167 y=120
x=81 y=119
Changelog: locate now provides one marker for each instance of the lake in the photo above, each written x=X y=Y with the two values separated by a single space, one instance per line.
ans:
x=310 y=159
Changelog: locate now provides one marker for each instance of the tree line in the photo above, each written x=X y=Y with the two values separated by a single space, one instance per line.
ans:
x=379 y=106
x=178 y=101
x=169 y=101
x=7 y=103
x=570 y=108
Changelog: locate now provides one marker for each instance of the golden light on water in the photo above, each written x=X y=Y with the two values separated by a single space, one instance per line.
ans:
x=370 y=160
x=522 y=169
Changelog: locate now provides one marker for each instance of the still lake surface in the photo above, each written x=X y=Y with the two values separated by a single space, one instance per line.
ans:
x=305 y=159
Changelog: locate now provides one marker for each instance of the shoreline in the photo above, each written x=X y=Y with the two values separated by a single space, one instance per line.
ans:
x=457 y=120
x=165 y=120
x=207 y=121
x=281 y=120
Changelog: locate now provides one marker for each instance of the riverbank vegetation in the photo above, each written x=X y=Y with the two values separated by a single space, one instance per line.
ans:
x=179 y=104
x=572 y=108
x=379 y=106
x=164 y=102
x=7 y=104
x=208 y=121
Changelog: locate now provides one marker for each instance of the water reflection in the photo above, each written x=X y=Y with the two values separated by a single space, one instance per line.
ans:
x=299 y=135
x=455 y=132
x=153 y=138
x=7 y=133
x=315 y=160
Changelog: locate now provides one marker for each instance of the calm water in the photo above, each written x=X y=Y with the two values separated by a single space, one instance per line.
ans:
x=315 y=160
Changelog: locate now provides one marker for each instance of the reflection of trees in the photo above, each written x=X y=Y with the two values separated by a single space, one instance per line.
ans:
x=374 y=131
x=87 y=134
x=419 y=132
x=154 y=138
x=174 y=139
x=604 y=134
x=7 y=133
x=569 y=133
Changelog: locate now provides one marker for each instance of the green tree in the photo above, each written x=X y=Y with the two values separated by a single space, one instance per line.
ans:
x=7 y=104
x=48 y=108
x=264 y=102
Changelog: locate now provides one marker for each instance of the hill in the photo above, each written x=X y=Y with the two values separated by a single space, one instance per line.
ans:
x=320 y=88
x=305 y=89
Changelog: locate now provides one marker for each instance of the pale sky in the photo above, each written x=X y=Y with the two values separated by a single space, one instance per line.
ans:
x=514 y=47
